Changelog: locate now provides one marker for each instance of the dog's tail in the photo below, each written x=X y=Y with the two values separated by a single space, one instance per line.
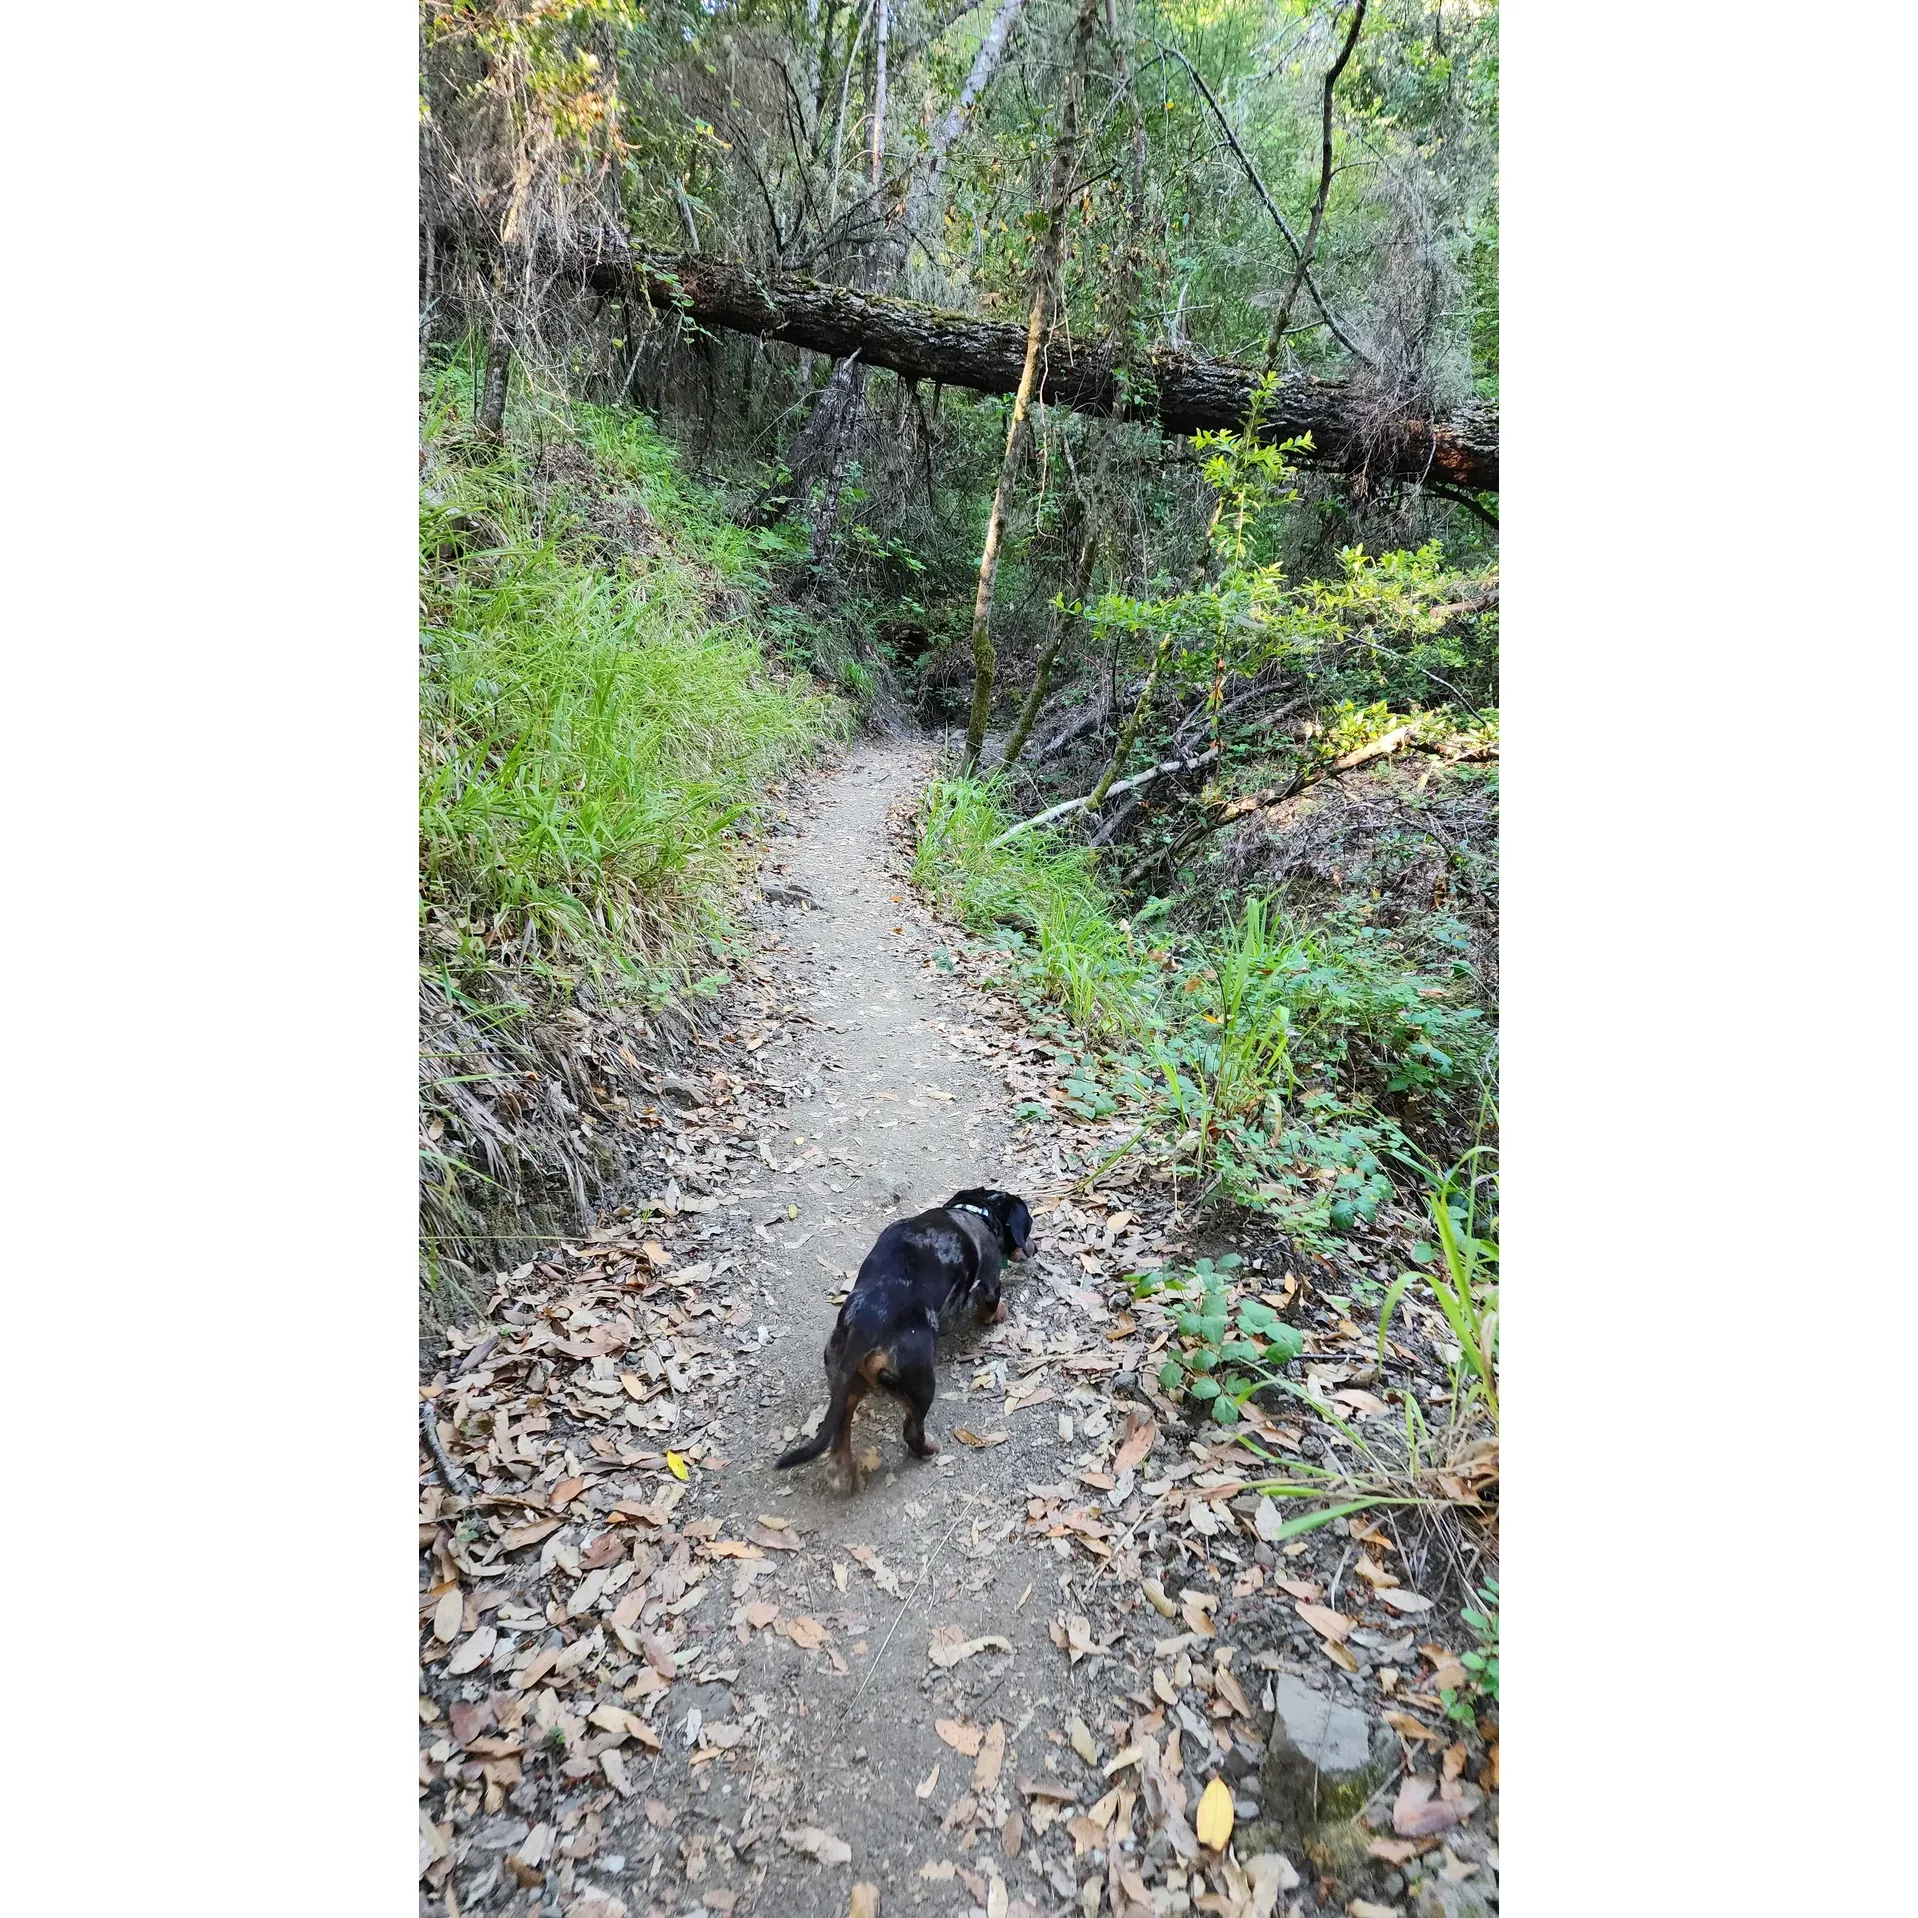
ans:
x=812 y=1448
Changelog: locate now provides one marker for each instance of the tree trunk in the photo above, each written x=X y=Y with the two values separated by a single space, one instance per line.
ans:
x=491 y=418
x=1082 y=536
x=879 y=95
x=924 y=192
x=984 y=662
x=816 y=445
x=1045 y=273
x=1130 y=730
x=1186 y=392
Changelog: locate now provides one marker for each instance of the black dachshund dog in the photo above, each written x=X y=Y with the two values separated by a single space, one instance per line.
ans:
x=921 y=1274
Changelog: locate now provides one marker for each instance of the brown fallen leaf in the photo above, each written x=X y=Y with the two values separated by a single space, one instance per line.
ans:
x=1051 y=1788
x=807 y=1633
x=1327 y=1623
x=1197 y=1608
x=1360 y=1401
x=1013 y=1834
x=1141 y=1434
x=1409 y=1727
x=949 y=1645
x=1395 y=1851
x=522 y=1536
x=1303 y=1588
x=1076 y=1638
x=1365 y=1908
x=1416 y=1813
x=1079 y=1734
x=448 y=1613
x=963 y=1738
x=865 y=1902
x=924 y=1789
x=614 y=1767
x=718 y=1899
x=565 y=1492
x=940 y=1870
x=1270 y=1873
x=817 y=1842
x=960 y=1812
x=1228 y=1689
x=966 y=1436
x=474 y=1653
x=1338 y=1655
x=992 y=1756
x=1403 y=1601
x=761 y=1613
x=468 y=1722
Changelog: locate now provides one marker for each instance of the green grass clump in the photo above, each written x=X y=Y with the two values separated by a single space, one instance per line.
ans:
x=1052 y=895
x=1286 y=1066
x=597 y=725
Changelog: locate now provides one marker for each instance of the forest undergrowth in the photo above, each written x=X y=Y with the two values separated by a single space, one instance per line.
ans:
x=612 y=697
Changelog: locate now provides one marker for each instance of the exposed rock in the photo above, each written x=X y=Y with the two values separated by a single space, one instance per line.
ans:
x=1322 y=1761
x=1441 y=1898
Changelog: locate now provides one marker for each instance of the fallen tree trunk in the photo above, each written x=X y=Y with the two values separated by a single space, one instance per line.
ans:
x=1088 y=802
x=1185 y=392
x=1263 y=801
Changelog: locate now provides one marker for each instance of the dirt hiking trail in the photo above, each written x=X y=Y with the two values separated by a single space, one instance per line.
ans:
x=659 y=1677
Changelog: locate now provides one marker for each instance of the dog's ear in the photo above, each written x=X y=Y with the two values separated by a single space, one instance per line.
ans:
x=1019 y=1223
x=1014 y=1222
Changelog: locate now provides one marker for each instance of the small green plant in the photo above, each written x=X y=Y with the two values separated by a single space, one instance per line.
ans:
x=1229 y=1350
x=1461 y=1271
x=1481 y=1663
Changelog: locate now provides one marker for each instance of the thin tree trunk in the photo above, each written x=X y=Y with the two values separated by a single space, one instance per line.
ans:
x=1066 y=620
x=491 y=419
x=1083 y=538
x=984 y=661
x=839 y=122
x=925 y=190
x=879 y=95
x=1282 y=313
x=816 y=445
x=1045 y=273
x=1130 y=730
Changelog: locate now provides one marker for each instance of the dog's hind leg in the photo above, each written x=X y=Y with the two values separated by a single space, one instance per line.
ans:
x=845 y=1473
x=914 y=1380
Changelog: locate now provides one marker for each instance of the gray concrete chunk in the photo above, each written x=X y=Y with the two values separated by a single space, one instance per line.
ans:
x=1321 y=1762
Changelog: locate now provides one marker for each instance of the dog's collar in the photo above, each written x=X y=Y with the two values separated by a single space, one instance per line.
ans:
x=981 y=1210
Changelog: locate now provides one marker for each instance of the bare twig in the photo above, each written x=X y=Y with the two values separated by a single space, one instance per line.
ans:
x=906 y=1603
x=1263 y=801
x=454 y=1480
x=1283 y=312
x=1244 y=159
x=1086 y=801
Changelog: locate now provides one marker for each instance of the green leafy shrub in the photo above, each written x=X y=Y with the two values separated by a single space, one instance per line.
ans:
x=1481 y=1663
x=1230 y=1348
